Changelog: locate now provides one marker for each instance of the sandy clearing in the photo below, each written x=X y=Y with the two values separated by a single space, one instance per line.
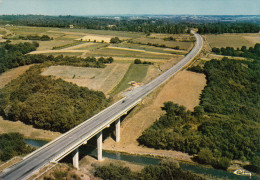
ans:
x=184 y=89
x=8 y=76
x=137 y=50
x=99 y=38
x=27 y=130
x=101 y=79
x=253 y=39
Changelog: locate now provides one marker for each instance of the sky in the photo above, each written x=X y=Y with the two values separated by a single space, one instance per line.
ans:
x=123 y=7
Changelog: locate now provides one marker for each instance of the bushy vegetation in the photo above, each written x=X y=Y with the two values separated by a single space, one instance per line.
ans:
x=12 y=144
x=138 y=61
x=219 y=28
x=105 y=60
x=230 y=130
x=48 y=103
x=196 y=68
x=167 y=169
x=115 y=40
x=36 y=37
x=252 y=52
x=14 y=55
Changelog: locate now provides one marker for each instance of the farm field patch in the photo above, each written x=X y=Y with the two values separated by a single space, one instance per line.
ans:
x=128 y=53
x=101 y=79
x=171 y=44
x=232 y=40
x=136 y=72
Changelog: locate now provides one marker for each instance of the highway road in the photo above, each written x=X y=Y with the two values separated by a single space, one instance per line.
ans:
x=68 y=142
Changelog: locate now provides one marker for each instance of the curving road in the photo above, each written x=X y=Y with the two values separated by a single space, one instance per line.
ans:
x=68 y=142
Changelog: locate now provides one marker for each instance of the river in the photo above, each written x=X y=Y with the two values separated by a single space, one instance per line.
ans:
x=151 y=160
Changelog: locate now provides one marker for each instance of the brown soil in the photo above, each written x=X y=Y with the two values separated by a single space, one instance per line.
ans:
x=101 y=79
x=8 y=76
x=27 y=130
x=184 y=89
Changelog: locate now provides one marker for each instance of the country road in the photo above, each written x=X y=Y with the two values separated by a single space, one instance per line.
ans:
x=68 y=142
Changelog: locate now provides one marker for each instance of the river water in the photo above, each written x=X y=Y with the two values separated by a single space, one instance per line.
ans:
x=89 y=150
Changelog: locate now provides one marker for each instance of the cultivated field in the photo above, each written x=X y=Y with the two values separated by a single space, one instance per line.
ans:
x=136 y=72
x=101 y=79
x=128 y=53
x=105 y=32
x=233 y=40
x=68 y=42
x=147 y=48
x=98 y=38
x=171 y=44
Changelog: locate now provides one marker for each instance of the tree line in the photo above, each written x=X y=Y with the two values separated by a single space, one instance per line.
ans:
x=225 y=125
x=47 y=103
x=167 y=169
x=220 y=28
x=251 y=52
x=14 y=55
x=36 y=37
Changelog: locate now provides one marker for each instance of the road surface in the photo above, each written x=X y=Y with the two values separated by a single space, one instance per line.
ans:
x=68 y=142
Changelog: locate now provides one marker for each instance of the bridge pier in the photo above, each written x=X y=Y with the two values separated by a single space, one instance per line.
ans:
x=99 y=146
x=75 y=158
x=118 y=130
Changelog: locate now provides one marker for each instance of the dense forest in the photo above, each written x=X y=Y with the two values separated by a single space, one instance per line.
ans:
x=226 y=124
x=146 y=25
x=251 y=52
x=12 y=144
x=98 y=23
x=14 y=55
x=219 y=28
x=167 y=169
x=47 y=103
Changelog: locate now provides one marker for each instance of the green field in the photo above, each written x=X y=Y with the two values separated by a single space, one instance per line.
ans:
x=136 y=72
x=2 y=32
x=64 y=53
x=128 y=53
x=147 y=48
x=27 y=30
x=93 y=47
x=171 y=44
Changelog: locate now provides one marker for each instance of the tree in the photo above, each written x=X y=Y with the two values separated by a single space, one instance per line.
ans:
x=198 y=111
x=138 y=61
x=205 y=156
x=115 y=40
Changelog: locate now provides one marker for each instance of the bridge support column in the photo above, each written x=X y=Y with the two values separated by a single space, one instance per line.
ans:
x=99 y=146
x=76 y=158
x=118 y=130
